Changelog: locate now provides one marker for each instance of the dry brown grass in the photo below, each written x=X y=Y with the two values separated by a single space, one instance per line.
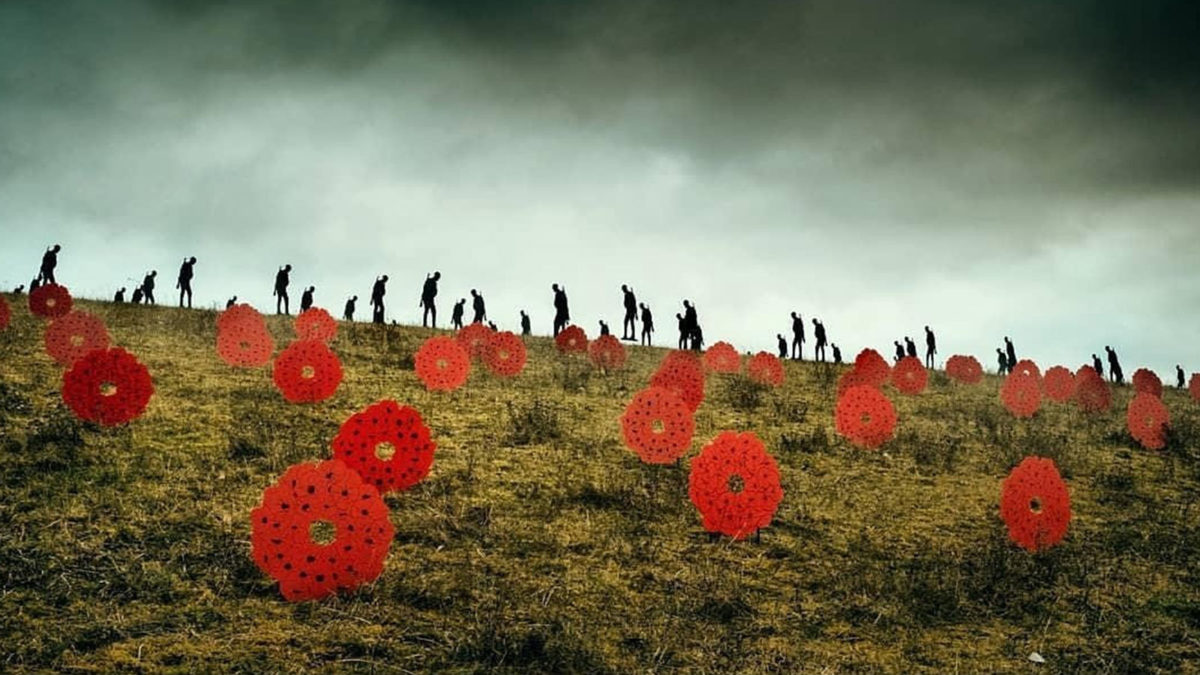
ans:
x=539 y=544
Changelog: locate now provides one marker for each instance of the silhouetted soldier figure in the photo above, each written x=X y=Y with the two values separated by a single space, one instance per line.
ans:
x=526 y=329
x=35 y=284
x=1114 y=366
x=148 y=287
x=1002 y=360
x=1011 y=352
x=562 y=314
x=456 y=315
x=697 y=339
x=930 y=347
x=19 y=289
x=683 y=331
x=377 y=292
x=492 y=325
x=231 y=302
x=1178 y=377
x=428 y=293
x=783 y=345
x=837 y=355
x=1099 y=367
x=348 y=310
x=603 y=328
x=899 y=350
x=477 y=306
x=119 y=296
x=49 y=262
x=797 y=336
x=306 y=298
x=282 y=279
x=137 y=296
x=689 y=316
x=629 y=327
x=910 y=347
x=184 y=282
x=647 y=324
x=819 y=334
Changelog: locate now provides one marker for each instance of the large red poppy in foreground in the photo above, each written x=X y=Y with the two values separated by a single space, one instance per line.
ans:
x=71 y=336
x=442 y=363
x=607 y=353
x=1058 y=384
x=1145 y=381
x=872 y=368
x=107 y=386
x=865 y=417
x=909 y=376
x=765 y=368
x=315 y=323
x=1035 y=505
x=287 y=543
x=504 y=354
x=387 y=444
x=1021 y=394
x=734 y=484
x=50 y=301
x=965 y=369
x=722 y=358
x=572 y=340
x=1148 y=420
x=307 y=371
x=658 y=425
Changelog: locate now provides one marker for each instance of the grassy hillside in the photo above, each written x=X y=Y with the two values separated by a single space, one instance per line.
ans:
x=540 y=544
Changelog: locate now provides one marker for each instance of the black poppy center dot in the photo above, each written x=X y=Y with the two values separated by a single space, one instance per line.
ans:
x=1035 y=505
x=736 y=484
x=322 y=532
x=385 y=451
x=308 y=372
x=108 y=389
x=658 y=427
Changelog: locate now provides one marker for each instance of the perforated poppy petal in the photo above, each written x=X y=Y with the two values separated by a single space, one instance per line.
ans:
x=872 y=368
x=1194 y=387
x=474 y=338
x=307 y=371
x=855 y=378
x=1035 y=504
x=572 y=340
x=238 y=314
x=734 y=484
x=909 y=376
x=1058 y=384
x=315 y=323
x=1091 y=391
x=1146 y=381
x=607 y=353
x=722 y=358
x=683 y=375
x=765 y=368
x=108 y=387
x=50 y=301
x=865 y=417
x=1148 y=419
x=245 y=343
x=5 y=313
x=505 y=354
x=965 y=369
x=1021 y=394
x=658 y=425
x=1027 y=367
x=387 y=444
x=442 y=363
x=71 y=336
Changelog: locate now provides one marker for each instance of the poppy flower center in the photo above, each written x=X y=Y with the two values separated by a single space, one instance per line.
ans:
x=322 y=532
x=108 y=389
x=243 y=345
x=658 y=427
x=308 y=372
x=503 y=355
x=442 y=364
x=735 y=484
x=385 y=451
x=50 y=302
x=1035 y=505
x=76 y=340
x=864 y=418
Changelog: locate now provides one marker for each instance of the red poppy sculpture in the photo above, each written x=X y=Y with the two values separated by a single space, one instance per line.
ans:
x=684 y=376
x=872 y=367
x=1147 y=382
x=307 y=371
x=865 y=417
x=734 y=484
x=504 y=354
x=1148 y=420
x=71 y=336
x=1027 y=367
x=50 y=301
x=1194 y=387
x=108 y=387
x=5 y=313
x=909 y=376
x=474 y=338
x=658 y=425
x=723 y=358
x=1058 y=384
x=855 y=378
x=1021 y=395
x=442 y=363
x=607 y=353
x=1091 y=391
x=965 y=369
x=245 y=344
x=387 y=444
x=572 y=340
x=765 y=368
x=238 y=314
x=1035 y=504
x=315 y=323
x=287 y=543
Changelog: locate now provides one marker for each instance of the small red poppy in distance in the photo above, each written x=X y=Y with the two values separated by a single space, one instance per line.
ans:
x=287 y=543
x=243 y=344
x=1021 y=395
x=50 y=301
x=315 y=323
x=607 y=353
x=965 y=369
x=1035 y=504
x=5 y=313
x=71 y=336
x=1148 y=420
x=387 y=444
x=658 y=425
x=865 y=417
x=442 y=363
x=682 y=375
x=1194 y=387
x=734 y=484
x=1059 y=384
x=504 y=354
x=872 y=368
x=1027 y=367
x=307 y=371
x=474 y=338
x=572 y=340
x=765 y=368
x=1091 y=391
x=107 y=386
x=722 y=358
x=909 y=376
x=1145 y=381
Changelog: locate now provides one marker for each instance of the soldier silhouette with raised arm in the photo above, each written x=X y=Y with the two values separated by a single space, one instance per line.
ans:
x=837 y=354
x=478 y=307
x=797 y=336
x=456 y=314
x=1115 y=374
x=428 y=294
x=49 y=262
x=306 y=299
x=348 y=310
x=1097 y=365
x=377 y=292
x=119 y=296
x=899 y=351
x=562 y=313
x=647 y=324
x=231 y=302
x=930 y=347
x=1178 y=377
x=184 y=282
x=819 y=334
x=148 y=287
x=783 y=345
x=604 y=328
x=629 y=327
x=282 y=279
x=526 y=328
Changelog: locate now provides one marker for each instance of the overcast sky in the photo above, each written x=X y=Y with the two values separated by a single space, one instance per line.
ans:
x=989 y=168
